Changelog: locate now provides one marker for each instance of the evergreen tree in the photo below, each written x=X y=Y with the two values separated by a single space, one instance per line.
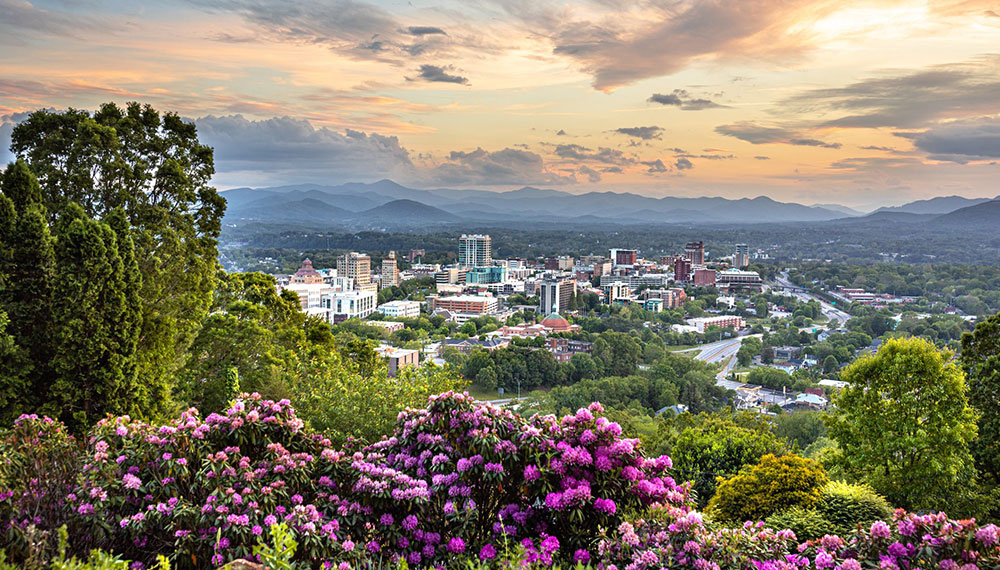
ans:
x=94 y=368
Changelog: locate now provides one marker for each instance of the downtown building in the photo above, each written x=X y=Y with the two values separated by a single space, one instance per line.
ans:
x=475 y=250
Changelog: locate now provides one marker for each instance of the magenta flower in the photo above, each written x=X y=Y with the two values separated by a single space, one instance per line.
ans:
x=488 y=552
x=456 y=545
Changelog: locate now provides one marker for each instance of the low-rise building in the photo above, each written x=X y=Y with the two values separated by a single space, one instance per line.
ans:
x=721 y=321
x=345 y=305
x=477 y=304
x=390 y=326
x=737 y=279
x=400 y=309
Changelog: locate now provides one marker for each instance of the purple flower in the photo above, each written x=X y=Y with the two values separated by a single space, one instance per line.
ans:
x=488 y=552
x=410 y=522
x=130 y=481
x=581 y=556
x=463 y=465
x=532 y=473
x=456 y=545
x=386 y=519
x=256 y=530
x=987 y=535
x=850 y=564
x=347 y=545
x=605 y=506
x=880 y=530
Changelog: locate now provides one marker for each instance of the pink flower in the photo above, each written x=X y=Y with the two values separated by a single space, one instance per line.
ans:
x=880 y=530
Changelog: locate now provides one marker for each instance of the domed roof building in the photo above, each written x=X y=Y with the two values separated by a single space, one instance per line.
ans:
x=556 y=323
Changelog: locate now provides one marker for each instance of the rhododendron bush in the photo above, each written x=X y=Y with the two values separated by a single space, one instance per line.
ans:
x=457 y=481
x=456 y=478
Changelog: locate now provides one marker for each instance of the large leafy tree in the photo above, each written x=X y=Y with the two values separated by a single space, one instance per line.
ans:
x=904 y=424
x=153 y=168
x=980 y=359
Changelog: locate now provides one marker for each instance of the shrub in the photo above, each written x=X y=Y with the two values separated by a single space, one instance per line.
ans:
x=773 y=485
x=38 y=466
x=846 y=506
x=807 y=524
x=454 y=478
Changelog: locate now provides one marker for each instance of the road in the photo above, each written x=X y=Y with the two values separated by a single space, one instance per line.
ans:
x=829 y=311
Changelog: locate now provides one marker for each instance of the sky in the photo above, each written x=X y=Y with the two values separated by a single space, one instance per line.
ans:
x=861 y=103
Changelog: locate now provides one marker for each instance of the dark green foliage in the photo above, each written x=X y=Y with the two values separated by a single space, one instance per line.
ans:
x=152 y=168
x=706 y=447
x=980 y=360
x=96 y=329
x=631 y=392
x=618 y=354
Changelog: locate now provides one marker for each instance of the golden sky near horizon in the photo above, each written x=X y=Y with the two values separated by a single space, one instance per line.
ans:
x=851 y=102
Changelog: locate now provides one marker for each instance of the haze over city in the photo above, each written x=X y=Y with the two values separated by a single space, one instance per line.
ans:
x=864 y=104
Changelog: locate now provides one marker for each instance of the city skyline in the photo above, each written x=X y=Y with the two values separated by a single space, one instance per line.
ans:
x=858 y=103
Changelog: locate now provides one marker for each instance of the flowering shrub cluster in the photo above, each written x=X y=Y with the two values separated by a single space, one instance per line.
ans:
x=458 y=481
x=678 y=538
x=457 y=478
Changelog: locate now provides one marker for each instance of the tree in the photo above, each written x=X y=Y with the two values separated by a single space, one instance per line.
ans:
x=618 y=353
x=708 y=447
x=767 y=355
x=94 y=368
x=830 y=364
x=773 y=485
x=980 y=359
x=904 y=425
x=153 y=168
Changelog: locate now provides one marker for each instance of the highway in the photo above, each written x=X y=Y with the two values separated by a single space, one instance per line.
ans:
x=829 y=311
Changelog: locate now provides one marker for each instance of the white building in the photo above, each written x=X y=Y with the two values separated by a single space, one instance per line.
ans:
x=345 y=305
x=400 y=309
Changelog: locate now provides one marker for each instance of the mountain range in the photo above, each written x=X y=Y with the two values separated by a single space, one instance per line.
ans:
x=386 y=204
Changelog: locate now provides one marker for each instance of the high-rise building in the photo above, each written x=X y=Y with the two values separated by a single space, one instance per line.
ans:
x=390 y=273
x=695 y=251
x=624 y=257
x=357 y=266
x=682 y=269
x=475 y=250
x=741 y=258
x=554 y=295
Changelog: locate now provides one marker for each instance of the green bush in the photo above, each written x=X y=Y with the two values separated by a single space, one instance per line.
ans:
x=807 y=524
x=846 y=506
x=771 y=486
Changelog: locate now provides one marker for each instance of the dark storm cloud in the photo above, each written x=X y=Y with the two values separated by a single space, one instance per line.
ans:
x=434 y=73
x=644 y=133
x=761 y=134
x=682 y=99
x=683 y=164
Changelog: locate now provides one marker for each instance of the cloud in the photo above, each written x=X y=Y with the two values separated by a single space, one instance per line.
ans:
x=682 y=99
x=644 y=133
x=761 y=157
x=652 y=39
x=503 y=167
x=655 y=166
x=592 y=175
x=908 y=99
x=960 y=141
x=561 y=133
x=683 y=164
x=755 y=133
x=22 y=18
x=603 y=155
x=356 y=29
x=436 y=74
x=424 y=31
x=288 y=149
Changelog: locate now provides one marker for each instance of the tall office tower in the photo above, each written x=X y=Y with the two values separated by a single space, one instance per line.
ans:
x=695 y=251
x=741 y=258
x=624 y=257
x=682 y=270
x=390 y=273
x=554 y=295
x=357 y=266
x=475 y=250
